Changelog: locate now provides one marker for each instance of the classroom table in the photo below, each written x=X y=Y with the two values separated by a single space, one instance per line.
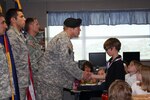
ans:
x=86 y=92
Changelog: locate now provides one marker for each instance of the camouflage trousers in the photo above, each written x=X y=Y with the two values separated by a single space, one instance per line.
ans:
x=37 y=87
x=51 y=92
x=22 y=92
x=5 y=99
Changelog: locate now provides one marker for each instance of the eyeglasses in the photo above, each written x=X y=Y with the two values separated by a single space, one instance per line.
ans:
x=108 y=48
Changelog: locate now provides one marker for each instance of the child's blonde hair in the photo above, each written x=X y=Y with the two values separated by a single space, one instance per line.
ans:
x=101 y=68
x=145 y=73
x=120 y=90
x=137 y=64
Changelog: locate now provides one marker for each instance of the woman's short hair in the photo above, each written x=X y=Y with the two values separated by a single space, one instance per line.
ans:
x=120 y=90
x=112 y=42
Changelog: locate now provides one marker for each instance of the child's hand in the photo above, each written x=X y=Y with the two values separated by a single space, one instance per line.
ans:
x=98 y=76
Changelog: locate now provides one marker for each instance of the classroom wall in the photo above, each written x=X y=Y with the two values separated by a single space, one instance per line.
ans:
x=39 y=8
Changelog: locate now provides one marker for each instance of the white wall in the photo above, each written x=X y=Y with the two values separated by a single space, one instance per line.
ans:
x=39 y=8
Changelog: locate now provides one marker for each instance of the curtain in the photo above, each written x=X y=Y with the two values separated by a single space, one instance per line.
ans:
x=57 y=18
x=99 y=18
x=121 y=17
x=106 y=17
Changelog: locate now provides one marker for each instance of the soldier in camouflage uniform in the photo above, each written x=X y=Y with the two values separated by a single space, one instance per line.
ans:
x=5 y=88
x=32 y=28
x=60 y=70
x=16 y=21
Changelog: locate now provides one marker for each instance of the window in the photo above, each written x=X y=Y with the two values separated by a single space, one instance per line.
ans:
x=91 y=39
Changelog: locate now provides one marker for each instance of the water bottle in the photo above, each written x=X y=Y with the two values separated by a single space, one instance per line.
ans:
x=105 y=95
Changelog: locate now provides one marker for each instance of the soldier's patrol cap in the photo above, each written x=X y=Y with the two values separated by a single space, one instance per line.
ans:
x=72 y=22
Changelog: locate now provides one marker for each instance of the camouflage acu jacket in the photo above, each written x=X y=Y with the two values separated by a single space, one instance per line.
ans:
x=20 y=53
x=60 y=69
x=5 y=90
x=35 y=52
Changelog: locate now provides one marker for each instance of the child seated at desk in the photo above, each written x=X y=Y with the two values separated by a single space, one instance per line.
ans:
x=95 y=78
x=101 y=72
x=142 y=85
x=120 y=90
x=88 y=67
x=132 y=69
